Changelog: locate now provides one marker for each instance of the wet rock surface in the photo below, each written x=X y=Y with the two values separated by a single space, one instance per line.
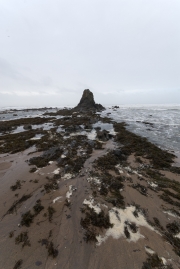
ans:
x=27 y=127
x=103 y=135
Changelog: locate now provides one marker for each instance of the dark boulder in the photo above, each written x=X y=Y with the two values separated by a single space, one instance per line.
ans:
x=5 y=128
x=27 y=127
x=93 y=120
x=103 y=135
x=59 y=161
x=73 y=128
x=73 y=144
x=87 y=126
x=117 y=152
x=53 y=153
x=91 y=143
x=115 y=106
x=67 y=168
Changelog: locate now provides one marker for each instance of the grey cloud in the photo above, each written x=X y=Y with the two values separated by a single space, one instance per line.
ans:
x=124 y=51
x=7 y=70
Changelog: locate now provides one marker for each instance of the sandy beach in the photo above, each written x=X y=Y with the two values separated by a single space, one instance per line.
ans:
x=70 y=202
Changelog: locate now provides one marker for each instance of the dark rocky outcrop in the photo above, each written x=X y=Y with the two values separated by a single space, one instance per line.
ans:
x=73 y=128
x=87 y=102
x=104 y=135
x=27 y=127
x=5 y=128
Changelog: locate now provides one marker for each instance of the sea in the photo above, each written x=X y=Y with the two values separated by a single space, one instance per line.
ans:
x=160 y=124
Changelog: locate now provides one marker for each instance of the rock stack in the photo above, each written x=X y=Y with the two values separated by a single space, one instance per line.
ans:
x=87 y=102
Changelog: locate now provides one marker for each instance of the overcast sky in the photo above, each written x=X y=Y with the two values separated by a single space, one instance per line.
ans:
x=124 y=51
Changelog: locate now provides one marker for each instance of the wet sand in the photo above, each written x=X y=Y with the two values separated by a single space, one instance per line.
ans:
x=177 y=160
x=65 y=230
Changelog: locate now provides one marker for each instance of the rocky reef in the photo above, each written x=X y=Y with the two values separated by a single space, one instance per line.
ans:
x=79 y=190
x=87 y=102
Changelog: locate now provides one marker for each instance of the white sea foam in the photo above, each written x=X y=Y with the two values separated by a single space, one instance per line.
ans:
x=149 y=250
x=56 y=172
x=127 y=170
x=152 y=184
x=69 y=193
x=90 y=203
x=67 y=176
x=119 y=167
x=56 y=199
x=119 y=218
x=177 y=235
x=35 y=138
x=92 y=135
x=171 y=214
x=94 y=180
x=163 y=260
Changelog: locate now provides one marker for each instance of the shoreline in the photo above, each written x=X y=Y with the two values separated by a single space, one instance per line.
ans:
x=79 y=203
x=145 y=124
x=177 y=159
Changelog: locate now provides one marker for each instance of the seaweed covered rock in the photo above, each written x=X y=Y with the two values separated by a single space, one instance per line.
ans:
x=87 y=102
x=50 y=155
x=103 y=135
x=27 y=127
